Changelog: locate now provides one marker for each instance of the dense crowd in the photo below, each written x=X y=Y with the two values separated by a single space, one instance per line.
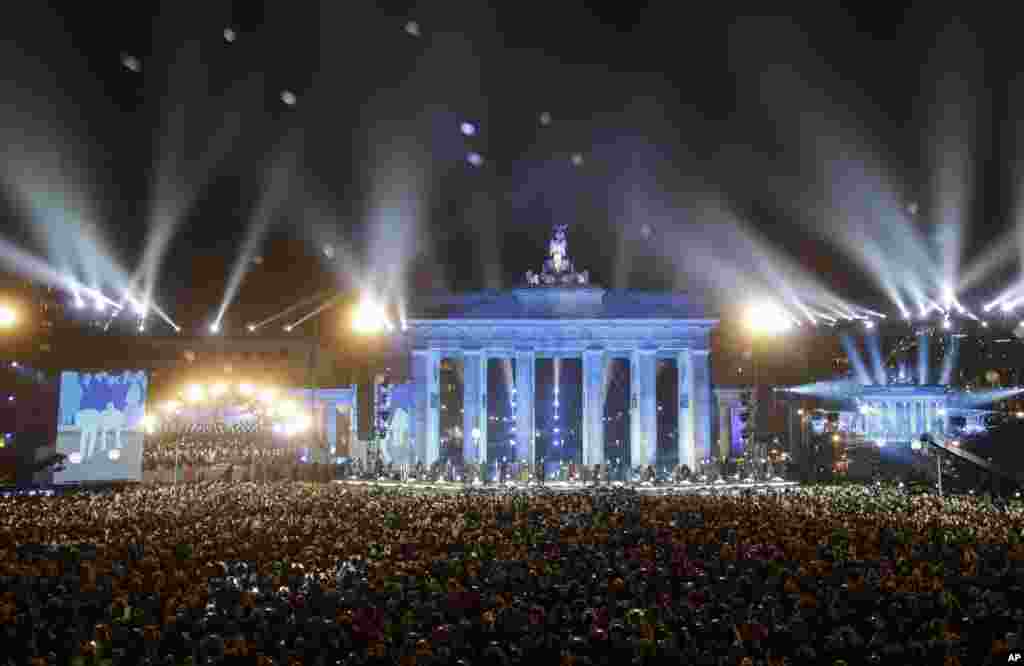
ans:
x=299 y=573
x=253 y=452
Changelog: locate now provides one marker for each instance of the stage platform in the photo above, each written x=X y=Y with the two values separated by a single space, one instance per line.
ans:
x=645 y=488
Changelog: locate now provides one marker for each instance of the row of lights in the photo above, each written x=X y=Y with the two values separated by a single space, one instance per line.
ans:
x=196 y=393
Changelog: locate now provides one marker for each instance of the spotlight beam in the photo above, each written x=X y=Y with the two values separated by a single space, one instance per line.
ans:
x=292 y=308
x=324 y=306
x=278 y=187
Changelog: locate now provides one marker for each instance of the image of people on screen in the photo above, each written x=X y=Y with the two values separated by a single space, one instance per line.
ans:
x=100 y=422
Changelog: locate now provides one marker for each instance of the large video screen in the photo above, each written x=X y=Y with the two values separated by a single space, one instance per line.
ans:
x=100 y=425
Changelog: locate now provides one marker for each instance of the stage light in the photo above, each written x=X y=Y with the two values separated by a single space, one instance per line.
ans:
x=79 y=303
x=869 y=324
x=1020 y=415
x=100 y=304
x=369 y=317
x=288 y=328
x=215 y=327
x=835 y=437
x=947 y=324
x=1006 y=307
x=8 y=317
x=475 y=159
x=229 y=35
x=251 y=328
x=142 y=327
x=955 y=442
x=468 y=129
x=288 y=97
x=195 y=393
x=765 y=318
x=984 y=324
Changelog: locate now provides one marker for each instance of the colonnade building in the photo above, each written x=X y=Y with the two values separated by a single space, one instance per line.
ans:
x=559 y=314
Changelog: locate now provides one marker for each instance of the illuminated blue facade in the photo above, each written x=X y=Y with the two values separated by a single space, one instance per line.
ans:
x=558 y=314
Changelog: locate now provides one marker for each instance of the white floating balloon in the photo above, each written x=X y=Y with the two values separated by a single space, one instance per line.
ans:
x=131 y=63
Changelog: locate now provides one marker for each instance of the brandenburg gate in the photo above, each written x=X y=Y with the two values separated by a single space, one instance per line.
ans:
x=558 y=313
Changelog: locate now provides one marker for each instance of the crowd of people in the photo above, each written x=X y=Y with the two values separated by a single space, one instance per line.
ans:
x=249 y=450
x=307 y=573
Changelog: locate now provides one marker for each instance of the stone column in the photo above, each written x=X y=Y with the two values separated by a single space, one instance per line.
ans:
x=724 y=428
x=593 y=406
x=643 y=439
x=426 y=378
x=699 y=379
x=684 y=428
x=526 y=401
x=474 y=405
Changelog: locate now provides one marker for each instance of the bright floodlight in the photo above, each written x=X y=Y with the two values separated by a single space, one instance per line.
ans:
x=1006 y=307
x=370 y=317
x=100 y=304
x=8 y=317
x=288 y=328
x=869 y=324
x=765 y=318
x=195 y=393
x=252 y=328
x=215 y=327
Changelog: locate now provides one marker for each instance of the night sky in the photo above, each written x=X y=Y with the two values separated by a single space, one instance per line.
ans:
x=665 y=108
